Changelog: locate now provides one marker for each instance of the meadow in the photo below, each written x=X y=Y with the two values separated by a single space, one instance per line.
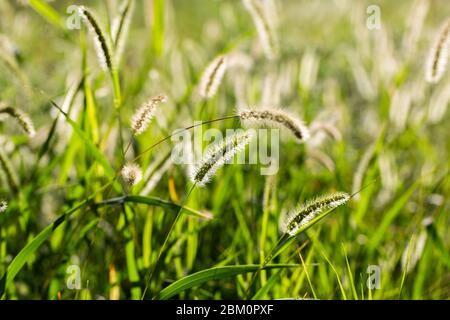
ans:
x=353 y=94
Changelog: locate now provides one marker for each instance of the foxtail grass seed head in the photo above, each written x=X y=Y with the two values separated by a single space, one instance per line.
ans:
x=217 y=155
x=120 y=28
x=3 y=206
x=155 y=178
x=10 y=174
x=307 y=212
x=328 y=128
x=144 y=115
x=263 y=27
x=23 y=119
x=272 y=117
x=212 y=77
x=11 y=63
x=322 y=158
x=131 y=173
x=416 y=19
x=438 y=56
x=102 y=46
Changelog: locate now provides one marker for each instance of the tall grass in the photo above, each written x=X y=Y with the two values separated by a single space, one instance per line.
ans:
x=82 y=185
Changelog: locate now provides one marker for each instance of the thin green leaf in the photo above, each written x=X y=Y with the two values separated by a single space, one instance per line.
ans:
x=389 y=217
x=350 y=274
x=88 y=143
x=48 y=13
x=217 y=273
x=27 y=252
x=157 y=32
x=154 y=201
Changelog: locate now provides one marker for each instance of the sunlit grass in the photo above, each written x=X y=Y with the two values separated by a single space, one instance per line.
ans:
x=377 y=130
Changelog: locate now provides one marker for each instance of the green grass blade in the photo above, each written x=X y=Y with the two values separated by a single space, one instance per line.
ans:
x=350 y=274
x=133 y=273
x=157 y=33
x=261 y=293
x=217 y=273
x=306 y=273
x=27 y=252
x=438 y=244
x=154 y=201
x=88 y=143
x=389 y=217
x=405 y=270
x=147 y=239
x=48 y=13
x=91 y=110
x=341 y=287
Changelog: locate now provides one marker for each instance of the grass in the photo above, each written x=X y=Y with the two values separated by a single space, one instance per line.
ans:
x=165 y=239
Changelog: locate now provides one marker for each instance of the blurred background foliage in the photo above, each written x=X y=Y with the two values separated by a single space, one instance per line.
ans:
x=368 y=85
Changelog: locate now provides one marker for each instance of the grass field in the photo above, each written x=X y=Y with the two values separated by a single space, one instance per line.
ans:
x=353 y=74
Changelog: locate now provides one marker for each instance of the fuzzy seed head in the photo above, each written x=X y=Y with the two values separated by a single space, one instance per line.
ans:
x=263 y=27
x=328 y=128
x=23 y=119
x=144 y=115
x=121 y=27
x=155 y=177
x=212 y=77
x=438 y=56
x=131 y=173
x=8 y=169
x=274 y=118
x=102 y=46
x=3 y=206
x=217 y=155
x=307 y=212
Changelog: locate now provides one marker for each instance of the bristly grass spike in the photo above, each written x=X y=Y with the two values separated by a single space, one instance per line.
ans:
x=219 y=154
x=305 y=213
x=131 y=173
x=438 y=56
x=274 y=118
